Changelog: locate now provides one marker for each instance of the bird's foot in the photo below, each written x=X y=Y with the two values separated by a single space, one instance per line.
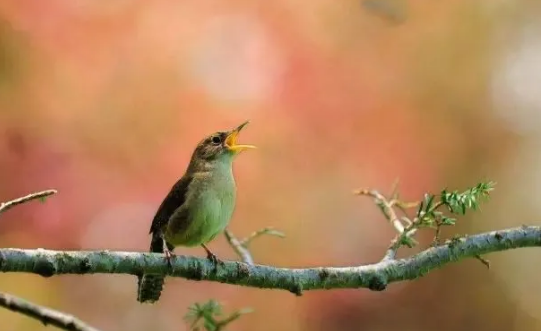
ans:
x=169 y=256
x=212 y=257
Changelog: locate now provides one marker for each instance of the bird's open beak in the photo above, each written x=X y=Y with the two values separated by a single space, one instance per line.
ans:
x=231 y=140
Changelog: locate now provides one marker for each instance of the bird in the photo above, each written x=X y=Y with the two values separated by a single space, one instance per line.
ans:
x=198 y=206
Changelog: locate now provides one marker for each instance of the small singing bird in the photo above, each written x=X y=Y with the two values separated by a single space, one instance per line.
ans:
x=198 y=207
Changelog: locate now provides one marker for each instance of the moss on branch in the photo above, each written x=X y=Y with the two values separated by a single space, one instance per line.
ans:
x=373 y=276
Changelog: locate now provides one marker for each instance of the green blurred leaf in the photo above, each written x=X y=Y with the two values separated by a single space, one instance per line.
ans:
x=207 y=313
x=448 y=220
x=428 y=201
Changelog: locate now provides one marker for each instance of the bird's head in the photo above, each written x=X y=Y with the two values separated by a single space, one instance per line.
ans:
x=221 y=145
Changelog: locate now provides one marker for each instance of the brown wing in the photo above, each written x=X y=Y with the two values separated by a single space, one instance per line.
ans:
x=150 y=286
x=174 y=199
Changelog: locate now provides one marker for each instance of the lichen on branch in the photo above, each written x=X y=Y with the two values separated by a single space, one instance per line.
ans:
x=374 y=276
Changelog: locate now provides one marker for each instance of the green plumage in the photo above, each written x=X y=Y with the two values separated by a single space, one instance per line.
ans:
x=208 y=207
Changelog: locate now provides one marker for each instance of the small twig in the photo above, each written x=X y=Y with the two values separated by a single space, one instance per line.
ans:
x=398 y=241
x=241 y=251
x=386 y=207
x=390 y=254
x=394 y=189
x=222 y=323
x=268 y=231
x=43 y=314
x=437 y=235
x=403 y=206
x=4 y=206
x=483 y=261
x=208 y=313
x=241 y=246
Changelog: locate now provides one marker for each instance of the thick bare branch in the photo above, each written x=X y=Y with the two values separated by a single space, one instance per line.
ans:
x=43 y=314
x=373 y=276
x=4 y=206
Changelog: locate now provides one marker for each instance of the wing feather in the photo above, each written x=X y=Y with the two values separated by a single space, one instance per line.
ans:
x=174 y=200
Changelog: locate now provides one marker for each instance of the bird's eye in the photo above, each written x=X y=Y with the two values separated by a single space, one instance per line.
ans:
x=216 y=140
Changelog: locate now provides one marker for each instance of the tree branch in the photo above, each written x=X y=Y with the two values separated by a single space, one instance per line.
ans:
x=241 y=246
x=45 y=315
x=241 y=251
x=373 y=276
x=4 y=206
x=387 y=208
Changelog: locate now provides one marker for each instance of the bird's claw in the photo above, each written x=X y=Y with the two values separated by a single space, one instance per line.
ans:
x=214 y=259
x=169 y=256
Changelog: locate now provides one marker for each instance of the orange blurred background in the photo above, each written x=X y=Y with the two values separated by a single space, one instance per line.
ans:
x=105 y=101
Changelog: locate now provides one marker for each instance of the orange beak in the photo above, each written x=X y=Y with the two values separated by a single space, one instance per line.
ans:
x=231 y=140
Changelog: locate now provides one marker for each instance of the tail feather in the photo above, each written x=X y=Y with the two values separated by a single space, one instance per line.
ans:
x=149 y=286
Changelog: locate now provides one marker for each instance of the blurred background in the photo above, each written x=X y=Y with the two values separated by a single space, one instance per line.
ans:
x=105 y=101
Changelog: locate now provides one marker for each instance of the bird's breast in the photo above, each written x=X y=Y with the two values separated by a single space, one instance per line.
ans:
x=207 y=211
